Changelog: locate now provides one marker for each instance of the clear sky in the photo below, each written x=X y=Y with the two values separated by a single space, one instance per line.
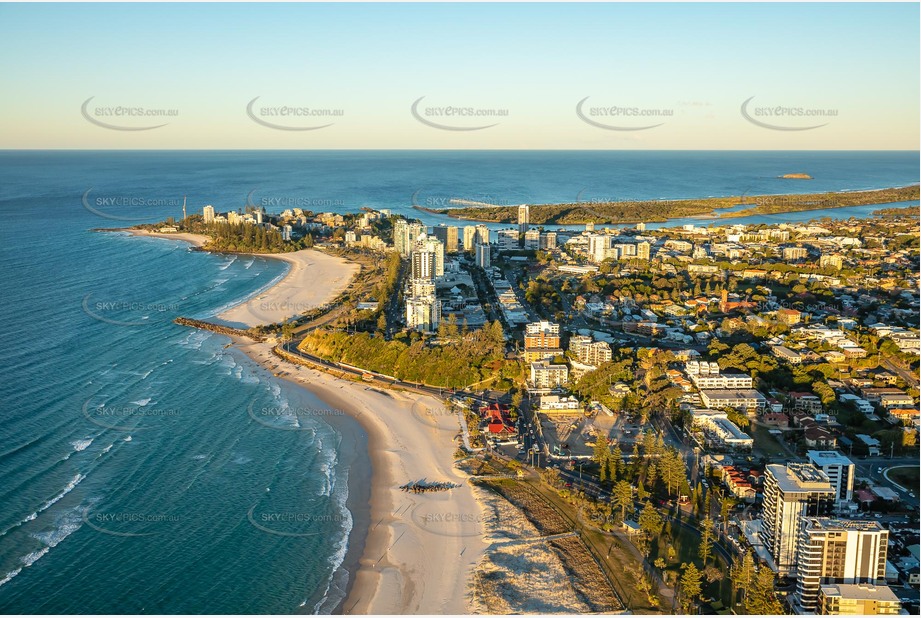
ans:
x=686 y=67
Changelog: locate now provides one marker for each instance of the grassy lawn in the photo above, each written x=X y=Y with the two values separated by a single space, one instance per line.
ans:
x=766 y=443
x=908 y=477
x=679 y=545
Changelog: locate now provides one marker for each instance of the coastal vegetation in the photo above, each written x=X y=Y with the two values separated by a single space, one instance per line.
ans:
x=637 y=211
x=471 y=358
x=235 y=237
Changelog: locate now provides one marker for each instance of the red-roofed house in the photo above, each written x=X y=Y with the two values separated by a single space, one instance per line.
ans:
x=864 y=497
x=498 y=423
x=778 y=419
x=818 y=437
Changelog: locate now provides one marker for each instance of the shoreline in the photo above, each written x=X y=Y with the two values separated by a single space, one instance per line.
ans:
x=406 y=553
x=295 y=293
x=446 y=212
x=395 y=557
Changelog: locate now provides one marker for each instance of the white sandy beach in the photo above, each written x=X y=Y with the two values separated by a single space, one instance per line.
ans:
x=313 y=278
x=196 y=240
x=421 y=548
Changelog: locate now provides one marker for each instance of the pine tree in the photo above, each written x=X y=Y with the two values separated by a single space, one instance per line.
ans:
x=742 y=574
x=650 y=521
x=599 y=456
x=651 y=474
x=762 y=599
x=706 y=539
x=690 y=587
x=616 y=461
x=622 y=497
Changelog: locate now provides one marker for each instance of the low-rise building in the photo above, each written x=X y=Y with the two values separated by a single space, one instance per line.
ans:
x=888 y=397
x=720 y=430
x=786 y=354
x=738 y=483
x=722 y=381
x=545 y=375
x=906 y=416
x=739 y=399
x=789 y=316
x=862 y=405
x=588 y=351
x=556 y=404
x=857 y=599
x=839 y=470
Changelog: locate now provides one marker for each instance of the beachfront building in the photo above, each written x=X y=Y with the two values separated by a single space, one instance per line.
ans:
x=447 y=234
x=405 y=235
x=558 y=405
x=469 y=238
x=791 y=493
x=524 y=218
x=423 y=313
x=432 y=244
x=482 y=234
x=422 y=265
x=837 y=551
x=207 y=214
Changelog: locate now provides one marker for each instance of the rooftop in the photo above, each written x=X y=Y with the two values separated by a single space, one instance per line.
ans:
x=862 y=592
x=828 y=458
x=830 y=523
x=743 y=393
x=798 y=477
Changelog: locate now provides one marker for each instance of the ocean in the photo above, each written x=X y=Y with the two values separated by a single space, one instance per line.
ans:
x=147 y=468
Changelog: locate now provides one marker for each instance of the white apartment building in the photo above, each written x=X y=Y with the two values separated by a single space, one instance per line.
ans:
x=507 y=240
x=545 y=375
x=837 y=551
x=839 y=470
x=722 y=381
x=791 y=493
x=483 y=259
x=588 y=351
